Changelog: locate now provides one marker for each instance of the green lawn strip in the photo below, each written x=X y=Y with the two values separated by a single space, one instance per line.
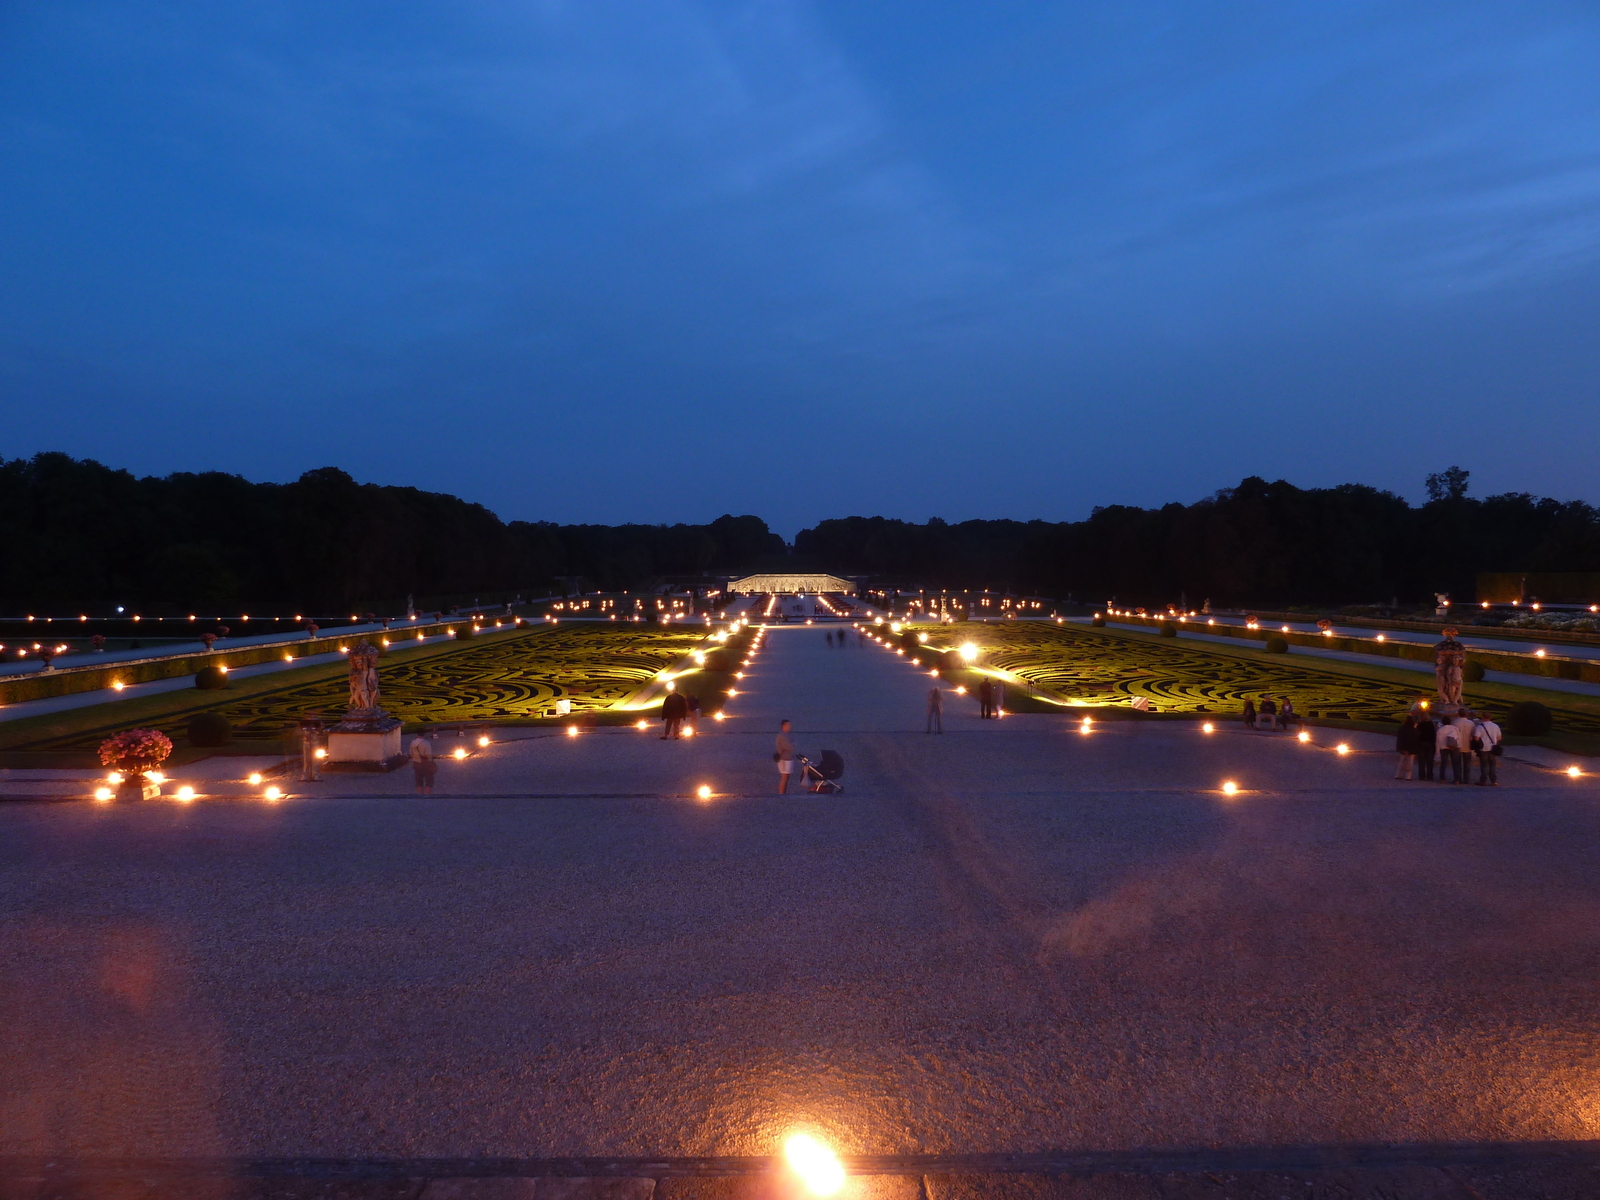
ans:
x=75 y=680
x=1512 y=662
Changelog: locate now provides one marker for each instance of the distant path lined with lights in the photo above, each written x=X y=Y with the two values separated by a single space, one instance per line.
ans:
x=859 y=689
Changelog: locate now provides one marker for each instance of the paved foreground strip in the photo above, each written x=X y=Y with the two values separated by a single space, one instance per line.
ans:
x=1483 y=1171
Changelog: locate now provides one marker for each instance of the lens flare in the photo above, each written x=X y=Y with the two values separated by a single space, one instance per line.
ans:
x=1230 y=788
x=703 y=791
x=1343 y=748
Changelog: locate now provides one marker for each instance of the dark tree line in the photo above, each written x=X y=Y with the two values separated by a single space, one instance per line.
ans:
x=1258 y=543
x=80 y=536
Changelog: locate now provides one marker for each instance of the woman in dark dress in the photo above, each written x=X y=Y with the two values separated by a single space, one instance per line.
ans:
x=1405 y=744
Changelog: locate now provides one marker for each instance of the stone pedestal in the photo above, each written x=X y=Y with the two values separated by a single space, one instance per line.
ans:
x=137 y=787
x=364 y=744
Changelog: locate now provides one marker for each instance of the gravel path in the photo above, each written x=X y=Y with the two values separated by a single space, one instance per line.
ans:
x=1011 y=938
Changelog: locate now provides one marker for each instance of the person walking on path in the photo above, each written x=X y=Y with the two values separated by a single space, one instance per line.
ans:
x=1427 y=732
x=1405 y=743
x=935 y=710
x=423 y=766
x=783 y=755
x=673 y=710
x=1486 y=740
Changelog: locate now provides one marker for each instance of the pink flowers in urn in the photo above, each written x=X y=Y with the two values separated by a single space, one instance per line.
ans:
x=98 y=642
x=208 y=638
x=135 y=750
x=311 y=628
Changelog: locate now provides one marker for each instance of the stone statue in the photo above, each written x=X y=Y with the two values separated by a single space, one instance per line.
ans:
x=1449 y=656
x=364 y=679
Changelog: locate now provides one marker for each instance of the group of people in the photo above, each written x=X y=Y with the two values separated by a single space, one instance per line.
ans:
x=1272 y=714
x=838 y=639
x=1450 y=743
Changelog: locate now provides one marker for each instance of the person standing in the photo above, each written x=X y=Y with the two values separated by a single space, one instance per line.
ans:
x=1486 y=737
x=1427 y=732
x=985 y=699
x=691 y=714
x=423 y=766
x=1249 y=714
x=1405 y=743
x=935 y=710
x=1449 y=745
x=1464 y=723
x=783 y=755
x=999 y=699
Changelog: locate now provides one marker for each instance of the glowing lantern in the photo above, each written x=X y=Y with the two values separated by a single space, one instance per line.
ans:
x=816 y=1165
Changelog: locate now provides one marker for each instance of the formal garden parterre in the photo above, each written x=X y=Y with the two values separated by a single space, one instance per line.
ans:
x=502 y=677
x=1067 y=665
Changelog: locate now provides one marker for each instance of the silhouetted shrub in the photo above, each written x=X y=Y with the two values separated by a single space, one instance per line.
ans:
x=209 y=729
x=1277 y=645
x=463 y=631
x=1472 y=672
x=211 y=678
x=1169 y=629
x=1098 y=621
x=1529 y=719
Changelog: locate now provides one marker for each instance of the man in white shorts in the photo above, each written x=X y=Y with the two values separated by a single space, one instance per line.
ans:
x=783 y=755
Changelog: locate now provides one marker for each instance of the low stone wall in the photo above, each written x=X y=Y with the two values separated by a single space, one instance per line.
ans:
x=70 y=681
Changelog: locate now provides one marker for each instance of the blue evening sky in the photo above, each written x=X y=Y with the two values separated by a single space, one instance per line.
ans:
x=658 y=261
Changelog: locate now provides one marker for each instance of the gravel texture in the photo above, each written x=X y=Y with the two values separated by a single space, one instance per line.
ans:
x=1011 y=938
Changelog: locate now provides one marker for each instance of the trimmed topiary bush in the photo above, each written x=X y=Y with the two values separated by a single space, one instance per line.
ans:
x=1473 y=672
x=209 y=729
x=1168 y=629
x=464 y=631
x=953 y=660
x=1277 y=645
x=1529 y=718
x=1098 y=621
x=211 y=678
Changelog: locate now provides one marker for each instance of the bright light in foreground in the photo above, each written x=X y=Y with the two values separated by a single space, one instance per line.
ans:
x=572 y=731
x=255 y=779
x=1230 y=788
x=718 y=716
x=818 y=1167
x=460 y=752
x=104 y=793
x=1303 y=736
x=969 y=652
x=703 y=791
x=484 y=740
x=186 y=793
x=1343 y=747
x=641 y=725
x=273 y=793
x=1574 y=772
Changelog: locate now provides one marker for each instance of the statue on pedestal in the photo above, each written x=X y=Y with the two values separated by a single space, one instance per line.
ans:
x=1449 y=657
x=367 y=738
x=364 y=680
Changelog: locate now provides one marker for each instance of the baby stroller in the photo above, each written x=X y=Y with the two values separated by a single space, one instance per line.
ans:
x=824 y=777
